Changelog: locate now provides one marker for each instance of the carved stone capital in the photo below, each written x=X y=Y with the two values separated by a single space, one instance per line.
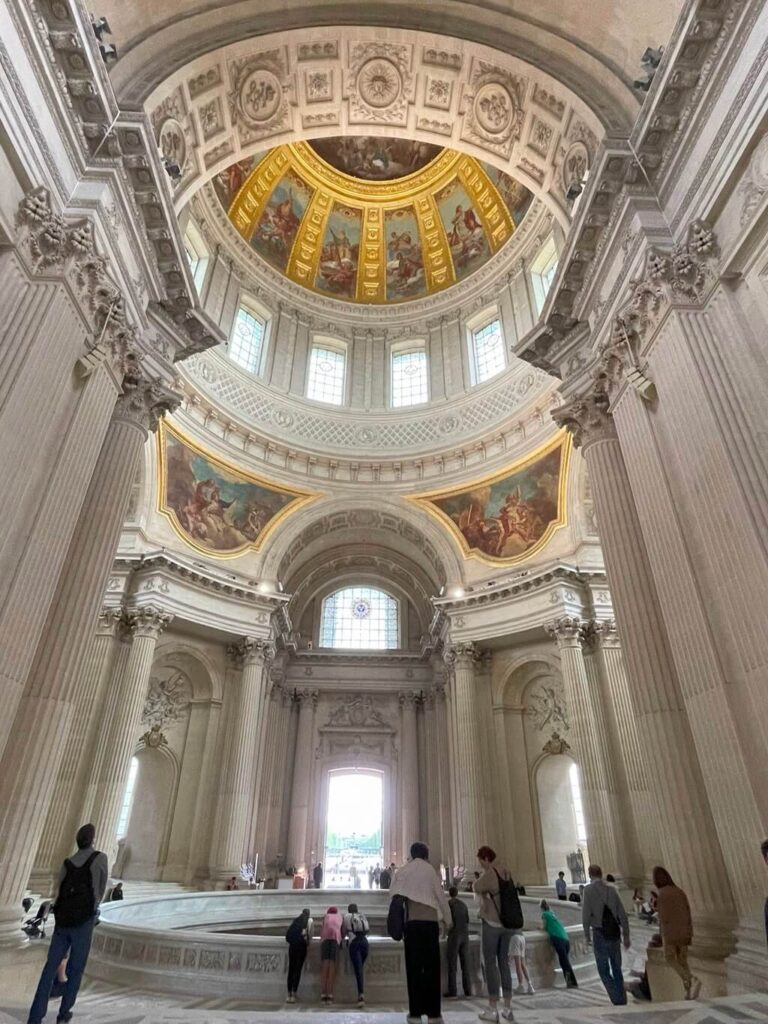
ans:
x=409 y=698
x=252 y=651
x=110 y=620
x=567 y=631
x=587 y=419
x=307 y=698
x=144 y=402
x=607 y=633
x=462 y=655
x=147 y=622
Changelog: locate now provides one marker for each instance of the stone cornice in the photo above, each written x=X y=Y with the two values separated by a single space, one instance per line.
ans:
x=103 y=140
x=343 y=658
x=632 y=167
x=521 y=583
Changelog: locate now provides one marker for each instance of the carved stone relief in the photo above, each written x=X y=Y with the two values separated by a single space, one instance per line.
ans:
x=546 y=707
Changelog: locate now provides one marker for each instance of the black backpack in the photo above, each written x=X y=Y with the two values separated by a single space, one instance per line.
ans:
x=508 y=903
x=76 y=902
x=397 y=916
x=609 y=925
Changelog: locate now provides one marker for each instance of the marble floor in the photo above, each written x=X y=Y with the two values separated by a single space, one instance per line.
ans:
x=100 y=1005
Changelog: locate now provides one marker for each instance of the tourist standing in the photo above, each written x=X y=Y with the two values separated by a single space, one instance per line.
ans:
x=330 y=941
x=81 y=884
x=458 y=944
x=495 y=938
x=298 y=937
x=427 y=905
x=517 y=957
x=317 y=875
x=386 y=876
x=558 y=936
x=561 y=887
x=355 y=929
x=605 y=920
x=676 y=927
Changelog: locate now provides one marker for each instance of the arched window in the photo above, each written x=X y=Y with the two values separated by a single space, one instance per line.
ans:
x=125 y=809
x=486 y=351
x=410 y=375
x=247 y=341
x=327 y=372
x=359 y=618
x=543 y=270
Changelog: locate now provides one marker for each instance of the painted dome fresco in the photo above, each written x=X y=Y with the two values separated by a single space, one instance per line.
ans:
x=372 y=220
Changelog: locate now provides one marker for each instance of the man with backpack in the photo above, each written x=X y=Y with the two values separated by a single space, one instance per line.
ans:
x=81 y=885
x=500 y=915
x=605 y=921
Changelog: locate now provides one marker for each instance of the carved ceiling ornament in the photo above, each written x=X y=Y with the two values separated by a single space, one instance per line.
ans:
x=495 y=107
x=379 y=83
x=556 y=745
x=258 y=102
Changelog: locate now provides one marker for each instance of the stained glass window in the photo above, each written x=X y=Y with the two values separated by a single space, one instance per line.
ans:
x=409 y=378
x=247 y=340
x=359 y=618
x=327 y=368
x=487 y=352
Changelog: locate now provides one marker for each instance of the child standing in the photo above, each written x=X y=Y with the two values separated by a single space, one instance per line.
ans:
x=517 y=957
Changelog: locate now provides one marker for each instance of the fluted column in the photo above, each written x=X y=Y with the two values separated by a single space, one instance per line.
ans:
x=469 y=796
x=629 y=755
x=689 y=841
x=409 y=772
x=303 y=755
x=239 y=767
x=589 y=735
x=279 y=789
x=62 y=820
x=56 y=674
x=121 y=721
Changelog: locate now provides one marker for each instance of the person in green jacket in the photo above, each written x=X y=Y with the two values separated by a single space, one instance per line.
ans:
x=558 y=936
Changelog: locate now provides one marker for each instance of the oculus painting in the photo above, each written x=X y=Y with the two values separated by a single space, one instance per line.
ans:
x=375 y=159
x=510 y=515
x=214 y=506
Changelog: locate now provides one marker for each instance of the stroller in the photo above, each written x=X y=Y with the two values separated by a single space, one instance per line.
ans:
x=34 y=927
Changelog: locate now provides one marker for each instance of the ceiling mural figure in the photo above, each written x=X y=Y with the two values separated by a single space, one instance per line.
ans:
x=372 y=220
x=213 y=506
x=373 y=158
x=509 y=516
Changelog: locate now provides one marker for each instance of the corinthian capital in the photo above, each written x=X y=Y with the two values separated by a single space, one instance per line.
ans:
x=607 y=633
x=252 y=651
x=144 y=401
x=462 y=655
x=567 y=631
x=587 y=418
x=148 y=622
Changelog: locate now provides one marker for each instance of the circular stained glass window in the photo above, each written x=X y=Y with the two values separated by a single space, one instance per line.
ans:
x=361 y=609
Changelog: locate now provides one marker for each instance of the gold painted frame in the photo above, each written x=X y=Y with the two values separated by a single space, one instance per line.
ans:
x=425 y=501
x=302 y=497
x=373 y=199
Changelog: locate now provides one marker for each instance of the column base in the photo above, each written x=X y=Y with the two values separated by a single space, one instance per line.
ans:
x=11 y=935
x=714 y=942
x=747 y=967
x=42 y=882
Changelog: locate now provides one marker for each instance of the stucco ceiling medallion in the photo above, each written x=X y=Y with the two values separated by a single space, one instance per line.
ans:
x=260 y=95
x=258 y=101
x=379 y=83
x=575 y=165
x=494 y=108
x=173 y=144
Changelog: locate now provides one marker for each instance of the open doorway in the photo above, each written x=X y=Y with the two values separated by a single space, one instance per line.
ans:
x=561 y=811
x=353 y=829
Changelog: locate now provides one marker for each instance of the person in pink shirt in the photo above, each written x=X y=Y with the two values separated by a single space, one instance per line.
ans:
x=330 y=943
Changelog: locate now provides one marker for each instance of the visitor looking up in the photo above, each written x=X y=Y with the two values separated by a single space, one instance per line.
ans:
x=355 y=930
x=494 y=937
x=458 y=944
x=81 y=884
x=427 y=905
x=330 y=941
x=298 y=937
x=561 y=886
x=558 y=936
x=605 y=920
x=676 y=927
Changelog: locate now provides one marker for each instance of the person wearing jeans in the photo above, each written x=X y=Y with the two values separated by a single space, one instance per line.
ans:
x=599 y=897
x=72 y=940
x=355 y=929
x=458 y=945
x=494 y=937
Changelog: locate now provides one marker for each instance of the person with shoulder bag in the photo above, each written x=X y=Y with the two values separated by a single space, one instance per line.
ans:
x=355 y=930
x=604 y=920
x=82 y=883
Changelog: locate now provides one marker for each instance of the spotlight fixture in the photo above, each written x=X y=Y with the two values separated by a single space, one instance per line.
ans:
x=100 y=27
x=574 y=191
x=108 y=52
x=650 y=62
x=172 y=168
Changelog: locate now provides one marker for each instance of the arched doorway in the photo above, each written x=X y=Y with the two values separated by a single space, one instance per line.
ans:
x=561 y=813
x=354 y=826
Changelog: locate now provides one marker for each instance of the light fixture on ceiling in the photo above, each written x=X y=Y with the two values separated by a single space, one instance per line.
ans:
x=456 y=591
x=574 y=191
x=650 y=61
x=172 y=169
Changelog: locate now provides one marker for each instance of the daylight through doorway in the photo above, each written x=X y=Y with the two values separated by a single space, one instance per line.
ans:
x=353 y=831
